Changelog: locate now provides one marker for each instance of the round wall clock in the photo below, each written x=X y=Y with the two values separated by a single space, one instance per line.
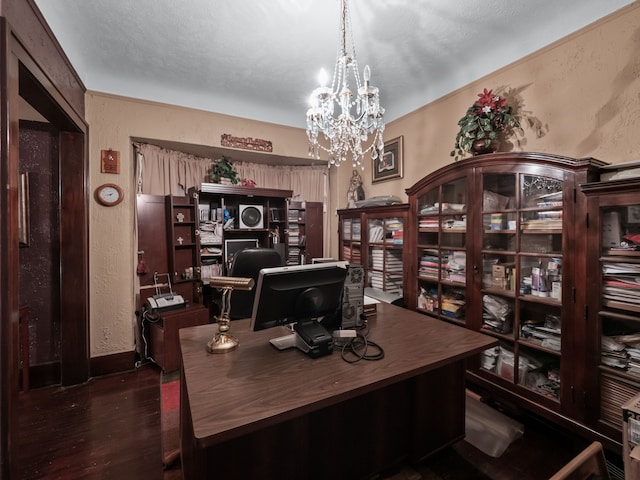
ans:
x=109 y=194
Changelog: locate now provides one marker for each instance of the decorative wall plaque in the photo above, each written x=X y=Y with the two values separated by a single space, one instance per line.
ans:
x=110 y=161
x=246 y=143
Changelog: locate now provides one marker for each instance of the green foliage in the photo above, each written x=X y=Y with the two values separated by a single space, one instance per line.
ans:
x=224 y=169
x=484 y=120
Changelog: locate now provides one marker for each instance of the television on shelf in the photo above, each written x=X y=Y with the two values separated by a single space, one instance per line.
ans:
x=303 y=297
x=234 y=245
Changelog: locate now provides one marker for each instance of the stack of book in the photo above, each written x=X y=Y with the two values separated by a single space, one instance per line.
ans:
x=453 y=304
x=351 y=254
x=429 y=264
x=622 y=284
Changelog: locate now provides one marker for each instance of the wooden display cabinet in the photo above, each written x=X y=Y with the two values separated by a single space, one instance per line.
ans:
x=374 y=238
x=613 y=304
x=498 y=245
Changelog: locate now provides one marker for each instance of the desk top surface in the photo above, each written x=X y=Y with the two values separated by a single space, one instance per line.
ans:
x=256 y=385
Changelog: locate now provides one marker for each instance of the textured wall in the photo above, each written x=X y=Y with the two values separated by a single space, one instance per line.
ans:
x=584 y=90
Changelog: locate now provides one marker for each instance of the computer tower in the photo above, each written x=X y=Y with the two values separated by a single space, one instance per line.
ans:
x=353 y=297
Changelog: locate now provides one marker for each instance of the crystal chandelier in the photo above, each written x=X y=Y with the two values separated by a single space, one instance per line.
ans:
x=345 y=133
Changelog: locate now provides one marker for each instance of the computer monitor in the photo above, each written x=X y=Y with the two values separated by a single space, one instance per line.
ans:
x=289 y=294
x=302 y=295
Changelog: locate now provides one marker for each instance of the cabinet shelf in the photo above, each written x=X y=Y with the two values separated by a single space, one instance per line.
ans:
x=622 y=253
x=541 y=231
x=621 y=306
x=490 y=231
x=543 y=300
x=618 y=316
x=619 y=373
x=537 y=346
x=499 y=291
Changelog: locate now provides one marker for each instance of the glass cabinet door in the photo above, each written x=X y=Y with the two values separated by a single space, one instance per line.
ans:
x=613 y=279
x=620 y=290
x=442 y=251
x=522 y=279
x=385 y=242
x=351 y=240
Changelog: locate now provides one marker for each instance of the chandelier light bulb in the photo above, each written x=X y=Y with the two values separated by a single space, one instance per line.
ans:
x=344 y=134
x=323 y=77
x=366 y=74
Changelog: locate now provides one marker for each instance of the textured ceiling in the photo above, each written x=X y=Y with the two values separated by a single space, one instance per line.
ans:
x=259 y=59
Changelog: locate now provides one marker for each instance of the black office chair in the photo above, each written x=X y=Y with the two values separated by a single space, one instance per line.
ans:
x=248 y=263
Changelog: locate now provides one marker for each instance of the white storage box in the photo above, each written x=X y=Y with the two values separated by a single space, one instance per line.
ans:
x=489 y=430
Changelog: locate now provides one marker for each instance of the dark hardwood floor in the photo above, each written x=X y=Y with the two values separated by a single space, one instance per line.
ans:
x=109 y=428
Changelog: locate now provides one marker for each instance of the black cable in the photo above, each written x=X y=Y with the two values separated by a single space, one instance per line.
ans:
x=359 y=348
x=152 y=318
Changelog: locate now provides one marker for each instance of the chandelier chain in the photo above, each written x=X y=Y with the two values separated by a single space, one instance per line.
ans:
x=346 y=133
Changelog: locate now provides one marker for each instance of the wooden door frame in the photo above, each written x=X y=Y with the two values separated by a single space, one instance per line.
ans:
x=22 y=76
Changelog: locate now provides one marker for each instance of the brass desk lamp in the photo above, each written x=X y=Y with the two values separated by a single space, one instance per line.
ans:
x=222 y=341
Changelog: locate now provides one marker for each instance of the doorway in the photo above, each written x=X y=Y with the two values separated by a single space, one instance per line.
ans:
x=40 y=253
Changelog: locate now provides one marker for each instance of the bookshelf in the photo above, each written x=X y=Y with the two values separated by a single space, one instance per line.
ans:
x=374 y=238
x=613 y=306
x=513 y=245
x=305 y=232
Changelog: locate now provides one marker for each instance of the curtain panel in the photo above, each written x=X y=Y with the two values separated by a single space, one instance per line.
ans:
x=168 y=172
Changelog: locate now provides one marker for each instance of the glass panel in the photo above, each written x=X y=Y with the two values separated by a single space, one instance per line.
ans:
x=453 y=239
x=499 y=222
x=428 y=203
x=620 y=291
x=619 y=342
x=497 y=314
x=621 y=230
x=498 y=272
x=376 y=230
x=542 y=221
x=499 y=192
x=346 y=229
x=540 y=372
x=428 y=297
x=355 y=230
x=541 y=277
x=541 y=243
x=540 y=192
x=453 y=266
x=454 y=196
x=453 y=303
x=394 y=231
x=429 y=266
x=540 y=325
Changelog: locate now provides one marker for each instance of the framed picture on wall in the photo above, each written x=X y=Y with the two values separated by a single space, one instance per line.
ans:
x=389 y=166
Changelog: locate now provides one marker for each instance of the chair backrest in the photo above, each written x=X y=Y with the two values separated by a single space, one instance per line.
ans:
x=248 y=263
x=589 y=464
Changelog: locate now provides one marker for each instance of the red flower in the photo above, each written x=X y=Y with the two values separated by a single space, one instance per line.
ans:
x=488 y=99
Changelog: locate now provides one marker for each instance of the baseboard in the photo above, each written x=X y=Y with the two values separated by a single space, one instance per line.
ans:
x=114 y=363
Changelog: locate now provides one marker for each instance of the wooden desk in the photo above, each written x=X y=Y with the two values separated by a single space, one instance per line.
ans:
x=261 y=413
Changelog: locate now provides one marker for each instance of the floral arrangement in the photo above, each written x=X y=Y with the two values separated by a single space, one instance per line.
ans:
x=480 y=126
